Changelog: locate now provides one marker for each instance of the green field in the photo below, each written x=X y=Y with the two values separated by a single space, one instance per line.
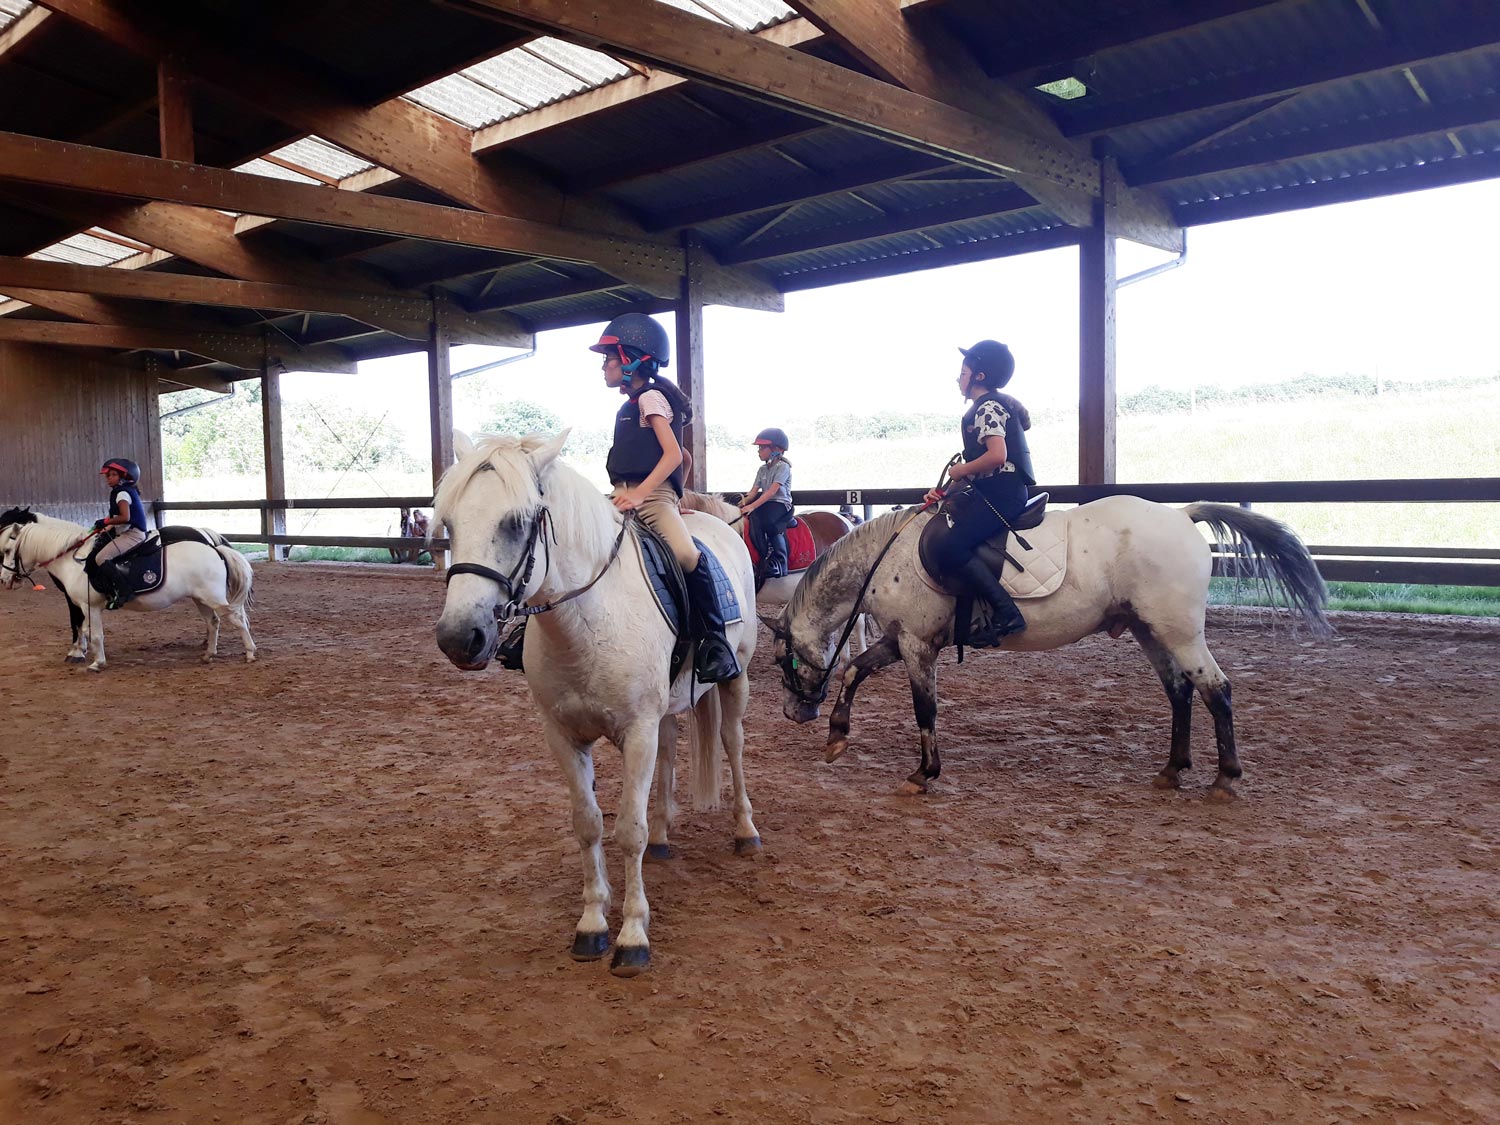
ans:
x=1445 y=432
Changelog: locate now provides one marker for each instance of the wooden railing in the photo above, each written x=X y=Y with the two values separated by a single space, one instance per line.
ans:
x=1447 y=566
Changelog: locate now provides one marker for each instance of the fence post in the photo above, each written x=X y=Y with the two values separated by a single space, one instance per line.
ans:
x=273 y=516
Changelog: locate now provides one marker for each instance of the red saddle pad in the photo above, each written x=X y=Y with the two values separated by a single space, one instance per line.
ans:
x=800 y=548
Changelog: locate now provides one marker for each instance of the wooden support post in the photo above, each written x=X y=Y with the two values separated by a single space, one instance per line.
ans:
x=440 y=403
x=689 y=360
x=154 y=456
x=174 y=112
x=1096 y=337
x=273 y=519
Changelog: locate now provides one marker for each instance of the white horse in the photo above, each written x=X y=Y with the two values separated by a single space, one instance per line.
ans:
x=1130 y=564
x=217 y=578
x=526 y=530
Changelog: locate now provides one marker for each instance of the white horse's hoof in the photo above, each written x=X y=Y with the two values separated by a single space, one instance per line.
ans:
x=74 y=659
x=206 y=658
x=249 y=658
x=630 y=960
x=96 y=667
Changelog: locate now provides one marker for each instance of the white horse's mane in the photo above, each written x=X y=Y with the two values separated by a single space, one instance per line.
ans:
x=521 y=483
x=48 y=535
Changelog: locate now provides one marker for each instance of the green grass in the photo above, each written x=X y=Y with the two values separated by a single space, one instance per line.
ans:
x=1385 y=597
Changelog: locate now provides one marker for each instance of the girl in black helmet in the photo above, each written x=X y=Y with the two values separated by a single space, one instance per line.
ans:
x=645 y=466
x=995 y=474
x=768 y=504
x=125 y=526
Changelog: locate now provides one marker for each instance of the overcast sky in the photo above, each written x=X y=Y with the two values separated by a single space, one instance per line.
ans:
x=1405 y=287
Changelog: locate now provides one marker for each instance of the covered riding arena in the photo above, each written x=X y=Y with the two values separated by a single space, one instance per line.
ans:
x=334 y=887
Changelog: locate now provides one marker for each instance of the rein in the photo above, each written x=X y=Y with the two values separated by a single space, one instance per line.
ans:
x=789 y=662
x=527 y=562
x=19 y=572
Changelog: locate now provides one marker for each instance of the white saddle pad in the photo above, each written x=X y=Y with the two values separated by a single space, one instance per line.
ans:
x=1045 y=563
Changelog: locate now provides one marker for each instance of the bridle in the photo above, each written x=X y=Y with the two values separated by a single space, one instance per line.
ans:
x=541 y=525
x=17 y=573
x=789 y=661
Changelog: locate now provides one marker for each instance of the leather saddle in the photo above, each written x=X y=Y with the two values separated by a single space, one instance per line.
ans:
x=992 y=550
x=143 y=568
x=669 y=587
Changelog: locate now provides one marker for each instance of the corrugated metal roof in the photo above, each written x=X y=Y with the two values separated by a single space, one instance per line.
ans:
x=86 y=250
x=12 y=10
x=323 y=157
x=549 y=70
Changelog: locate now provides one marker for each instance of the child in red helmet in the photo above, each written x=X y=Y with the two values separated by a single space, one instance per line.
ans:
x=768 y=504
x=125 y=526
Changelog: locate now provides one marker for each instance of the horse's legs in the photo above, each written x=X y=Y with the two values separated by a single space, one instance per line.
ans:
x=94 y=613
x=1184 y=667
x=79 y=651
x=1179 y=691
x=241 y=620
x=1213 y=686
x=866 y=664
x=734 y=698
x=591 y=935
x=211 y=619
x=664 y=807
x=638 y=756
x=921 y=669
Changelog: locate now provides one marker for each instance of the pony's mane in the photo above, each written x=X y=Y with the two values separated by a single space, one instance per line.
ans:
x=880 y=526
x=710 y=503
x=47 y=535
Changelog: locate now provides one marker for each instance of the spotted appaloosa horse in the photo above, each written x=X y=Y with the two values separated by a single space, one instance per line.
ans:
x=1131 y=564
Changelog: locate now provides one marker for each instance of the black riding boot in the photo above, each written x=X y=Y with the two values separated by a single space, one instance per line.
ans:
x=508 y=651
x=1005 y=618
x=715 y=661
x=776 y=555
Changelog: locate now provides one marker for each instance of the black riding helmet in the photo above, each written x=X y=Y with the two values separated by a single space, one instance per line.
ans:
x=993 y=359
x=772 y=436
x=125 y=467
x=637 y=338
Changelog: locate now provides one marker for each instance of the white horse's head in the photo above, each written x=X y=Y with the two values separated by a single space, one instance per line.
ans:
x=492 y=504
x=11 y=523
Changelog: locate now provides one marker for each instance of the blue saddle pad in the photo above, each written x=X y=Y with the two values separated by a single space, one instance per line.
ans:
x=722 y=586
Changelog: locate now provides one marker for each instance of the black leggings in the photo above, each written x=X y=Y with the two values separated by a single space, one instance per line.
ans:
x=768 y=525
x=975 y=513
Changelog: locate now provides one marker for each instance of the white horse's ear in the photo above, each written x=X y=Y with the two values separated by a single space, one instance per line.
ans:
x=546 y=453
x=462 y=446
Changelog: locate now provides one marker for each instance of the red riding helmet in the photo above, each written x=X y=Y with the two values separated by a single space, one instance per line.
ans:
x=125 y=467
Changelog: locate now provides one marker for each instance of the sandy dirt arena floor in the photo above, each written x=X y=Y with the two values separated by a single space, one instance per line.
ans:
x=339 y=886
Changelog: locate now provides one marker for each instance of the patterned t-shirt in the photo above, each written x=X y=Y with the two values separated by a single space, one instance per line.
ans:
x=989 y=421
x=653 y=402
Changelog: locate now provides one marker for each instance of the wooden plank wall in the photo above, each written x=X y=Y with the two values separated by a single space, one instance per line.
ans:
x=62 y=413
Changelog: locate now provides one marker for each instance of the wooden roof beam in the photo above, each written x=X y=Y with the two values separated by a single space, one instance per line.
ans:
x=240 y=349
x=399 y=135
x=411 y=315
x=1415 y=46
x=16 y=34
x=209 y=238
x=730 y=59
x=1063 y=179
x=81 y=168
x=1422 y=121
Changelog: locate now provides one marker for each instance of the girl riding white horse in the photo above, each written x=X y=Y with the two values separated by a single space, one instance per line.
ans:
x=529 y=535
x=214 y=575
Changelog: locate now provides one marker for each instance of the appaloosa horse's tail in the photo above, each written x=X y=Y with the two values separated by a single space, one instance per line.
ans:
x=1271 y=554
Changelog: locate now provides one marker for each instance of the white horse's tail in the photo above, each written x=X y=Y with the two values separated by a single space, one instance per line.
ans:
x=1271 y=554
x=705 y=740
x=240 y=574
